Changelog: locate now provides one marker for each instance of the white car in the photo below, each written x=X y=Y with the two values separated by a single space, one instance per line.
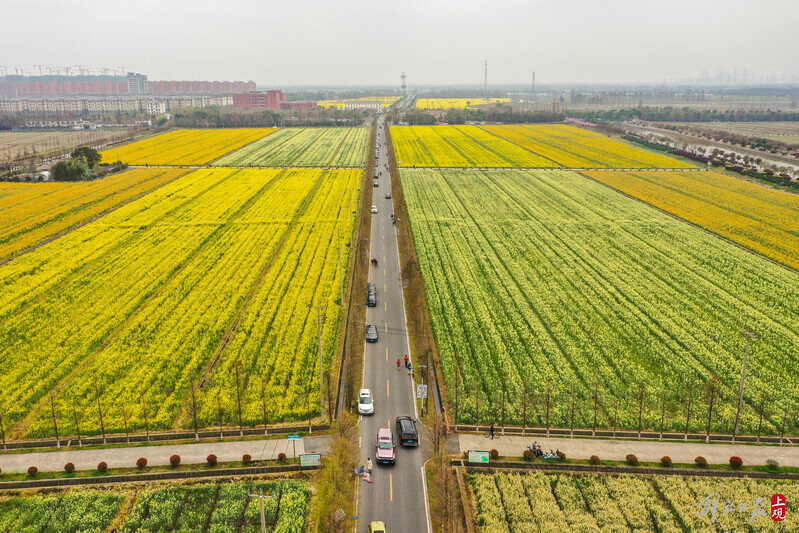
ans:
x=374 y=209
x=366 y=403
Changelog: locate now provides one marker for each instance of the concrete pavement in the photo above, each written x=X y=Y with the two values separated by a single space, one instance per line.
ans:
x=646 y=451
x=157 y=455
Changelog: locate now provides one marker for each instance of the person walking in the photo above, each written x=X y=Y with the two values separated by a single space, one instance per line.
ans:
x=369 y=464
x=406 y=362
x=399 y=363
x=491 y=431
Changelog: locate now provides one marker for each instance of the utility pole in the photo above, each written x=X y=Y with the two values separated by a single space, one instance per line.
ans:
x=261 y=497
x=321 y=388
x=99 y=408
x=749 y=336
x=340 y=271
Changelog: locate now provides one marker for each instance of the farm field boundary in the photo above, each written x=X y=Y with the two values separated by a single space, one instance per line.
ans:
x=502 y=466
x=726 y=207
x=154 y=476
x=95 y=216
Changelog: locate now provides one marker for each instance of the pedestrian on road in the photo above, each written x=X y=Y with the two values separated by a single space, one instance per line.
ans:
x=491 y=431
x=410 y=369
x=413 y=374
x=369 y=464
x=398 y=364
x=406 y=361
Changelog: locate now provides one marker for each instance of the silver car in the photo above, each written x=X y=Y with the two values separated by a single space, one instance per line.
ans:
x=366 y=402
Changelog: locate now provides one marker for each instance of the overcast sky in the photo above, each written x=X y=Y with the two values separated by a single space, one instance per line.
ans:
x=369 y=42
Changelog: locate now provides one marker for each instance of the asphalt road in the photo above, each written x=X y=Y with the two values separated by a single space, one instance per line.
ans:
x=398 y=496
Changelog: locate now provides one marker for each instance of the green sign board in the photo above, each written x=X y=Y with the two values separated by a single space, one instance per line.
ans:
x=310 y=459
x=478 y=457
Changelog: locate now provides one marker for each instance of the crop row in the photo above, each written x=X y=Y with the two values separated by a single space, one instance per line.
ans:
x=542 y=502
x=46 y=209
x=763 y=220
x=185 y=147
x=145 y=315
x=545 y=286
x=459 y=146
x=573 y=147
x=304 y=147
x=221 y=508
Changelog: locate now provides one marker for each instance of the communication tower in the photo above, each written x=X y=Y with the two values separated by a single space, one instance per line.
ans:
x=485 y=81
x=403 y=83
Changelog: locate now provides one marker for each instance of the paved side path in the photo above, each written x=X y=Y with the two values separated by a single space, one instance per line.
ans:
x=155 y=455
x=648 y=451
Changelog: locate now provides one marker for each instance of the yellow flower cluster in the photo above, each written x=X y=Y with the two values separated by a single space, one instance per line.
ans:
x=185 y=147
x=574 y=147
x=457 y=103
x=32 y=213
x=764 y=220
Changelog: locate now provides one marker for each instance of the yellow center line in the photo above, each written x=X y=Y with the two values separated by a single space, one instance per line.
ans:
x=388 y=391
x=384 y=287
x=386 y=327
x=385 y=304
x=386 y=354
x=391 y=487
x=384 y=270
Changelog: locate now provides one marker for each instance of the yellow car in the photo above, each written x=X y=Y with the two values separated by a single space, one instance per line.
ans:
x=377 y=527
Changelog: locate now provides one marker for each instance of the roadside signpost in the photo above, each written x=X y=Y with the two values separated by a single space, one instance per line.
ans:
x=476 y=456
x=310 y=459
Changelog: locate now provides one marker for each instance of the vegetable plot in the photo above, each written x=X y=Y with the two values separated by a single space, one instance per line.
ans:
x=511 y=502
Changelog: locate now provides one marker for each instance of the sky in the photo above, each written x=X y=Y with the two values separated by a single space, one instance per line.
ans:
x=370 y=42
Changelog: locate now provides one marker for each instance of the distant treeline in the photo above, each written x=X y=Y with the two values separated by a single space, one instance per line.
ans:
x=504 y=114
x=684 y=114
x=214 y=117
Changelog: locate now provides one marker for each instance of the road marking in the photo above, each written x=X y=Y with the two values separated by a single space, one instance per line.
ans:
x=384 y=287
x=388 y=392
x=386 y=355
x=384 y=270
x=386 y=327
x=385 y=304
x=391 y=487
x=384 y=255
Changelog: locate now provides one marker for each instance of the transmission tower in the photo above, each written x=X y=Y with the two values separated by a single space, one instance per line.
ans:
x=403 y=84
x=485 y=81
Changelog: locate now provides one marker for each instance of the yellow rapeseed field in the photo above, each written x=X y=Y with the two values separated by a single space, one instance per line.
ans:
x=33 y=212
x=764 y=220
x=575 y=147
x=459 y=146
x=457 y=103
x=185 y=147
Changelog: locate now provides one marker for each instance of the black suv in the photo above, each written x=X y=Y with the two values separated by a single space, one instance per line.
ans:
x=406 y=429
